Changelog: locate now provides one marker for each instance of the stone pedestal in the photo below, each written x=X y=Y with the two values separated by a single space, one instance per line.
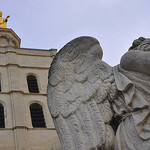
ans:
x=9 y=38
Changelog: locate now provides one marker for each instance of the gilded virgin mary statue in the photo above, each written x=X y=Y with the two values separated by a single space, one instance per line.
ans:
x=3 y=21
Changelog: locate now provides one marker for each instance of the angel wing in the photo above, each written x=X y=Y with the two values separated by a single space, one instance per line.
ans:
x=78 y=89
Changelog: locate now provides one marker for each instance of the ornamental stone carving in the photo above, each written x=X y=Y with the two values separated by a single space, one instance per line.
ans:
x=98 y=107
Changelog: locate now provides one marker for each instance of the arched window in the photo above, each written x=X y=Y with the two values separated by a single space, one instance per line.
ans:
x=32 y=84
x=37 y=116
x=2 y=119
x=0 y=84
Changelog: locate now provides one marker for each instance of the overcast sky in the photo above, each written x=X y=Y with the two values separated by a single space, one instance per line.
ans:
x=46 y=24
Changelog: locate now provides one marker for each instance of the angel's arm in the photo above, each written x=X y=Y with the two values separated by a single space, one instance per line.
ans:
x=137 y=61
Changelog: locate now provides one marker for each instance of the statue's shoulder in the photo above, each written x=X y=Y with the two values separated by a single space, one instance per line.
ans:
x=137 y=59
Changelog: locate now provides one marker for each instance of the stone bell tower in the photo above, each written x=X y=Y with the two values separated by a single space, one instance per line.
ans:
x=25 y=121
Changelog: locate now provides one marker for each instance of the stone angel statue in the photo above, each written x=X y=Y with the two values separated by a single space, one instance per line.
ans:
x=98 y=107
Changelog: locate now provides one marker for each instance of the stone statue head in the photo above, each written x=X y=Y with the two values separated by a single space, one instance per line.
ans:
x=141 y=44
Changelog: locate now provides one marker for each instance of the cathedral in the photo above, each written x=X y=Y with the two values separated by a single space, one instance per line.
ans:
x=25 y=121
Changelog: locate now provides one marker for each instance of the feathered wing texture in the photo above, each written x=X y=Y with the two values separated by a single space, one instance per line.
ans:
x=78 y=88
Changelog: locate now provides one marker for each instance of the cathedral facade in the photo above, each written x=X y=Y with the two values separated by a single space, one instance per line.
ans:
x=25 y=121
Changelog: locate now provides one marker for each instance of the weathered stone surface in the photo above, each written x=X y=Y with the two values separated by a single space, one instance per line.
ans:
x=98 y=107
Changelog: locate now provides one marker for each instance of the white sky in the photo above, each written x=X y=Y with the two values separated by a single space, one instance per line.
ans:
x=46 y=24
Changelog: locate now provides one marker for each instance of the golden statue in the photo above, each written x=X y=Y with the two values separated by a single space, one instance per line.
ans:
x=3 y=21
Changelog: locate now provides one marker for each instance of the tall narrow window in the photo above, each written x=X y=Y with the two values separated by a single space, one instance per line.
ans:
x=37 y=116
x=32 y=84
x=2 y=119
